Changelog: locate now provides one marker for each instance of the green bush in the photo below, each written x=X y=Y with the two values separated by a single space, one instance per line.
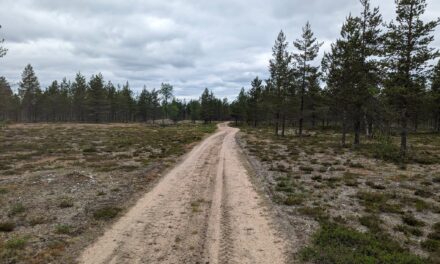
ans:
x=106 y=213
x=16 y=243
x=17 y=208
x=7 y=226
x=372 y=222
x=410 y=220
x=294 y=199
x=63 y=229
x=336 y=244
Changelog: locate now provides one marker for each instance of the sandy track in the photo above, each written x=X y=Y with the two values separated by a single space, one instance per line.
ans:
x=205 y=210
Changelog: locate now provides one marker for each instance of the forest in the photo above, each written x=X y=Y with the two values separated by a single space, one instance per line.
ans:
x=378 y=79
x=330 y=155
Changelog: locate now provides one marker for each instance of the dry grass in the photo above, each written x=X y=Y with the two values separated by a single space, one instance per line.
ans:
x=61 y=184
x=313 y=180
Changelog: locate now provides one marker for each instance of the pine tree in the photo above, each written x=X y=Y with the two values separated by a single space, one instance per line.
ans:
x=313 y=100
x=194 y=110
x=337 y=66
x=29 y=92
x=408 y=53
x=280 y=77
x=79 y=104
x=143 y=104
x=6 y=99
x=126 y=104
x=112 y=100
x=308 y=49
x=51 y=102
x=206 y=110
x=2 y=49
x=96 y=99
x=435 y=96
x=369 y=48
x=155 y=105
x=255 y=99
x=65 y=100
x=166 y=90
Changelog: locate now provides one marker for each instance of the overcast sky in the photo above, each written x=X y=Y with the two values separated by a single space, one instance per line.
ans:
x=193 y=44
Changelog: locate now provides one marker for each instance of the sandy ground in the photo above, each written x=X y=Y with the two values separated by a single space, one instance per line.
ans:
x=205 y=210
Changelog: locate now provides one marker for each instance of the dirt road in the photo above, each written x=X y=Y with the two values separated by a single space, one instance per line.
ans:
x=205 y=210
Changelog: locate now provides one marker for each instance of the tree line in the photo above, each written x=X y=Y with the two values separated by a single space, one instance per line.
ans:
x=98 y=101
x=376 y=78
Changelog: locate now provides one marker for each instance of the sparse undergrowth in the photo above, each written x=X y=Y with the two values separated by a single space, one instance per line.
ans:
x=334 y=243
x=384 y=214
x=60 y=184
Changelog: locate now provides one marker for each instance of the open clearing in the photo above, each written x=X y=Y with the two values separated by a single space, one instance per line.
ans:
x=205 y=210
x=73 y=190
x=62 y=184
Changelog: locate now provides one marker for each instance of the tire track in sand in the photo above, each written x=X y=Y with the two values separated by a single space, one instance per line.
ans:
x=205 y=210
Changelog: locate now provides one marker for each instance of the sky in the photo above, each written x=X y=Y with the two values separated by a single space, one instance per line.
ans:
x=192 y=44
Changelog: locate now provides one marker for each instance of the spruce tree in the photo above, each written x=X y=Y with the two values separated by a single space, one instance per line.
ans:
x=407 y=46
x=307 y=50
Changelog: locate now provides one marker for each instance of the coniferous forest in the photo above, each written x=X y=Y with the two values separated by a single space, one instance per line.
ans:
x=378 y=77
x=330 y=155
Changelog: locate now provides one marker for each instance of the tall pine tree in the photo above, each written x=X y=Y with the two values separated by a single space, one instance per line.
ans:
x=3 y=50
x=280 y=77
x=97 y=104
x=307 y=50
x=408 y=53
x=29 y=92
x=79 y=91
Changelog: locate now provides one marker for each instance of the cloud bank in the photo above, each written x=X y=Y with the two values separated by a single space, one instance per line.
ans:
x=220 y=44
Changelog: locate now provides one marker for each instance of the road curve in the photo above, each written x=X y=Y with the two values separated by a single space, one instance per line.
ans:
x=205 y=210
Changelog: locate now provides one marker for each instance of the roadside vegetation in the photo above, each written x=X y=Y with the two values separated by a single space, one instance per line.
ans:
x=61 y=184
x=351 y=204
x=350 y=151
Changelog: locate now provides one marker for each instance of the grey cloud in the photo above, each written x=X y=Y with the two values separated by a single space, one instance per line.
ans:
x=219 y=44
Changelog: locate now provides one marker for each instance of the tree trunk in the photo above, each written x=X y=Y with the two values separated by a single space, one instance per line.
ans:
x=370 y=128
x=416 y=122
x=357 y=130
x=344 y=131
x=277 y=123
x=301 y=118
x=403 y=135
x=283 y=126
x=438 y=123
